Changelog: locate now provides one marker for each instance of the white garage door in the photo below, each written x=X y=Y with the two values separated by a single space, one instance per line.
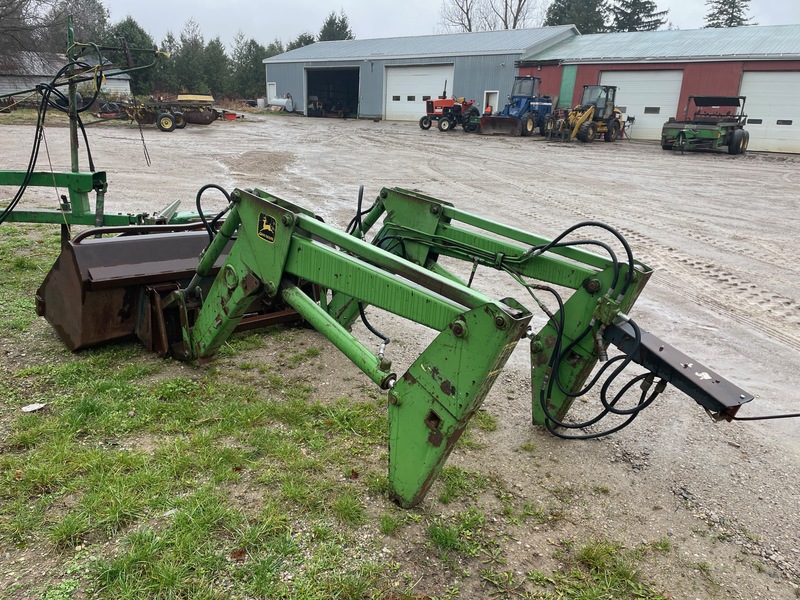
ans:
x=408 y=87
x=772 y=108
x=650 y=96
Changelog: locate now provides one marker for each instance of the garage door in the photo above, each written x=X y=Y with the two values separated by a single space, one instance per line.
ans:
x=772 y=108
x=650 y=96
x=408 y=87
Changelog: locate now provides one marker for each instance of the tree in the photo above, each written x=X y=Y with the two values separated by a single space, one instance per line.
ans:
x=217 y=68
x=457 y=16
x=89 y=20
x=727 y=13
x=248 y=70
x=189 y=60
x=589 y=16
x=164 y=76
x=21 y=24
x=304 y=39
x=637 y=15
x=129 y=31
x=335 y=28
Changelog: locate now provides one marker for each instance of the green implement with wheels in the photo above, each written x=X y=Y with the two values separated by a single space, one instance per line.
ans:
x=710 y=122
x=270 y=259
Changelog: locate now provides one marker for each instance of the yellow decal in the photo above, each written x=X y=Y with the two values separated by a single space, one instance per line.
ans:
x=267 y=226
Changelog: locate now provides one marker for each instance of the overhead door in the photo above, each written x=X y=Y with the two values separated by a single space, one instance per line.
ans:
x=408 y=87
x=650 y=96
x=772 y=108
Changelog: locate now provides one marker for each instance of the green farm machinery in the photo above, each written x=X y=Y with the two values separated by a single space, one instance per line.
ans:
x=710 y=122
x=183 y=283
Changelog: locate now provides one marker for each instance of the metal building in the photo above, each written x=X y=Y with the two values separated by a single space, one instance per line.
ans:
x=656 y=72
x=390 y=78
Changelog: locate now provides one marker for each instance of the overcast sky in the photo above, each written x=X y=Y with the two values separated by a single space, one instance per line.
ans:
x=265 y=21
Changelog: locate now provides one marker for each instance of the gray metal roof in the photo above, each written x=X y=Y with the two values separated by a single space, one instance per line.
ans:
x=507 y=41
x=740 y=43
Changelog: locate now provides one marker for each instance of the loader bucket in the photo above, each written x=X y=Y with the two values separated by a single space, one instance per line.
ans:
x=105 y=289
x=500 y=125
x=93 y=292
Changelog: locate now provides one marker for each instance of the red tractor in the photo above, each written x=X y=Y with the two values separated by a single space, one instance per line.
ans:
x=449 y=112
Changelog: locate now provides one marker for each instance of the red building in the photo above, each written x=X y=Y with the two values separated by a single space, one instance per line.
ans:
x=656 y=72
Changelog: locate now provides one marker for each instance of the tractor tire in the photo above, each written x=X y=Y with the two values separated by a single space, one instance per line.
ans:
x=445 y=124
x=180 y=121
x=466 y=119
x=746 y=141
x=527 y=125
x=165 y=122
x=612 y=131
x=737 y=139
x=543 y=127
x=587 y=132
x=425 y=123
x=549 y=127
x=664 y=144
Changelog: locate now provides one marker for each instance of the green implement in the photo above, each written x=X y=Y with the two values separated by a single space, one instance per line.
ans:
x=709 y=122
x=272 y=261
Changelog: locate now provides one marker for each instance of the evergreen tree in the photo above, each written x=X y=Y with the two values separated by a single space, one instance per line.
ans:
x=217 y=68
x=189 y=61
x=335 y=28
x=248 y=70
x=164 y=78
x=131 y=32
x=637 y=15
x=589 y=16
x=727 y=13
x=304 y=39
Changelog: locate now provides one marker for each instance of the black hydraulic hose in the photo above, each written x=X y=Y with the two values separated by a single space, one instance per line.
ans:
x=536 y=250
x=198 y=202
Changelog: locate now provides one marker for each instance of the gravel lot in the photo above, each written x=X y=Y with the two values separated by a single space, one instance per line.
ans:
x=720 y=231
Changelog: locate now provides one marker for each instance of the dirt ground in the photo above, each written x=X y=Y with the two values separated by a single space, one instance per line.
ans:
x=720 y=232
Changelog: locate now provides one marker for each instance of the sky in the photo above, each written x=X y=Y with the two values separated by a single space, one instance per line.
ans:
x=266 y=21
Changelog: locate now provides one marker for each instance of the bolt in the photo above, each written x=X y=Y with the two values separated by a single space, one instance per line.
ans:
x=236 y=195
x=592 y=286
x=459 y=328
x=270 y=289
x=287 y=220
x=393 y=399
x=384 y=194
x=500 y=322
x=435 y=209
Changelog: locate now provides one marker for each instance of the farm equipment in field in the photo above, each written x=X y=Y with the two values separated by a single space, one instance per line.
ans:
x=182 y=284
x=524 y=112
x=271 y=261
x=716 y=121
x=596 y=115
x=167 y=115
x=448 y=113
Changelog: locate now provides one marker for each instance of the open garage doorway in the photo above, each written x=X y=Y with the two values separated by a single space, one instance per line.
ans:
x=332 y=92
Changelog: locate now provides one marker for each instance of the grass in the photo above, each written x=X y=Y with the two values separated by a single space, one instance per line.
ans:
x=146 y=477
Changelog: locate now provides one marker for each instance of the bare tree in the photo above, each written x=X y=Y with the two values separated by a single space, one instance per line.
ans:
x=458 y=16
x=21 y=22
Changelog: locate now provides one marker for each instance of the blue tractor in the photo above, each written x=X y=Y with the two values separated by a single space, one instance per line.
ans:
x=523 y=113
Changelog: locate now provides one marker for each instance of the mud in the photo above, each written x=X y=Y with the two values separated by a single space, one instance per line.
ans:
x=720 y=231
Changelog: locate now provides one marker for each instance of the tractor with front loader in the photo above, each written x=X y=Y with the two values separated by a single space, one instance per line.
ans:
x=709 y=122
x=596 y=115
x=183 y=285
x=525 y=112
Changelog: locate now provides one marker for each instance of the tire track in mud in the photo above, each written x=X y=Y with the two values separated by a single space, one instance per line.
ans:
x=727 y=293
x=717 y=288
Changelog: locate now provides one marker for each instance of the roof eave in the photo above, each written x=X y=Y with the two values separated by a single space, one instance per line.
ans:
x=663 y=59
x=365 y=58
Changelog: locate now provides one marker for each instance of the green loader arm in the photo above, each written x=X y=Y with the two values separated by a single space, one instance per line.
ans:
x=279 y=249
